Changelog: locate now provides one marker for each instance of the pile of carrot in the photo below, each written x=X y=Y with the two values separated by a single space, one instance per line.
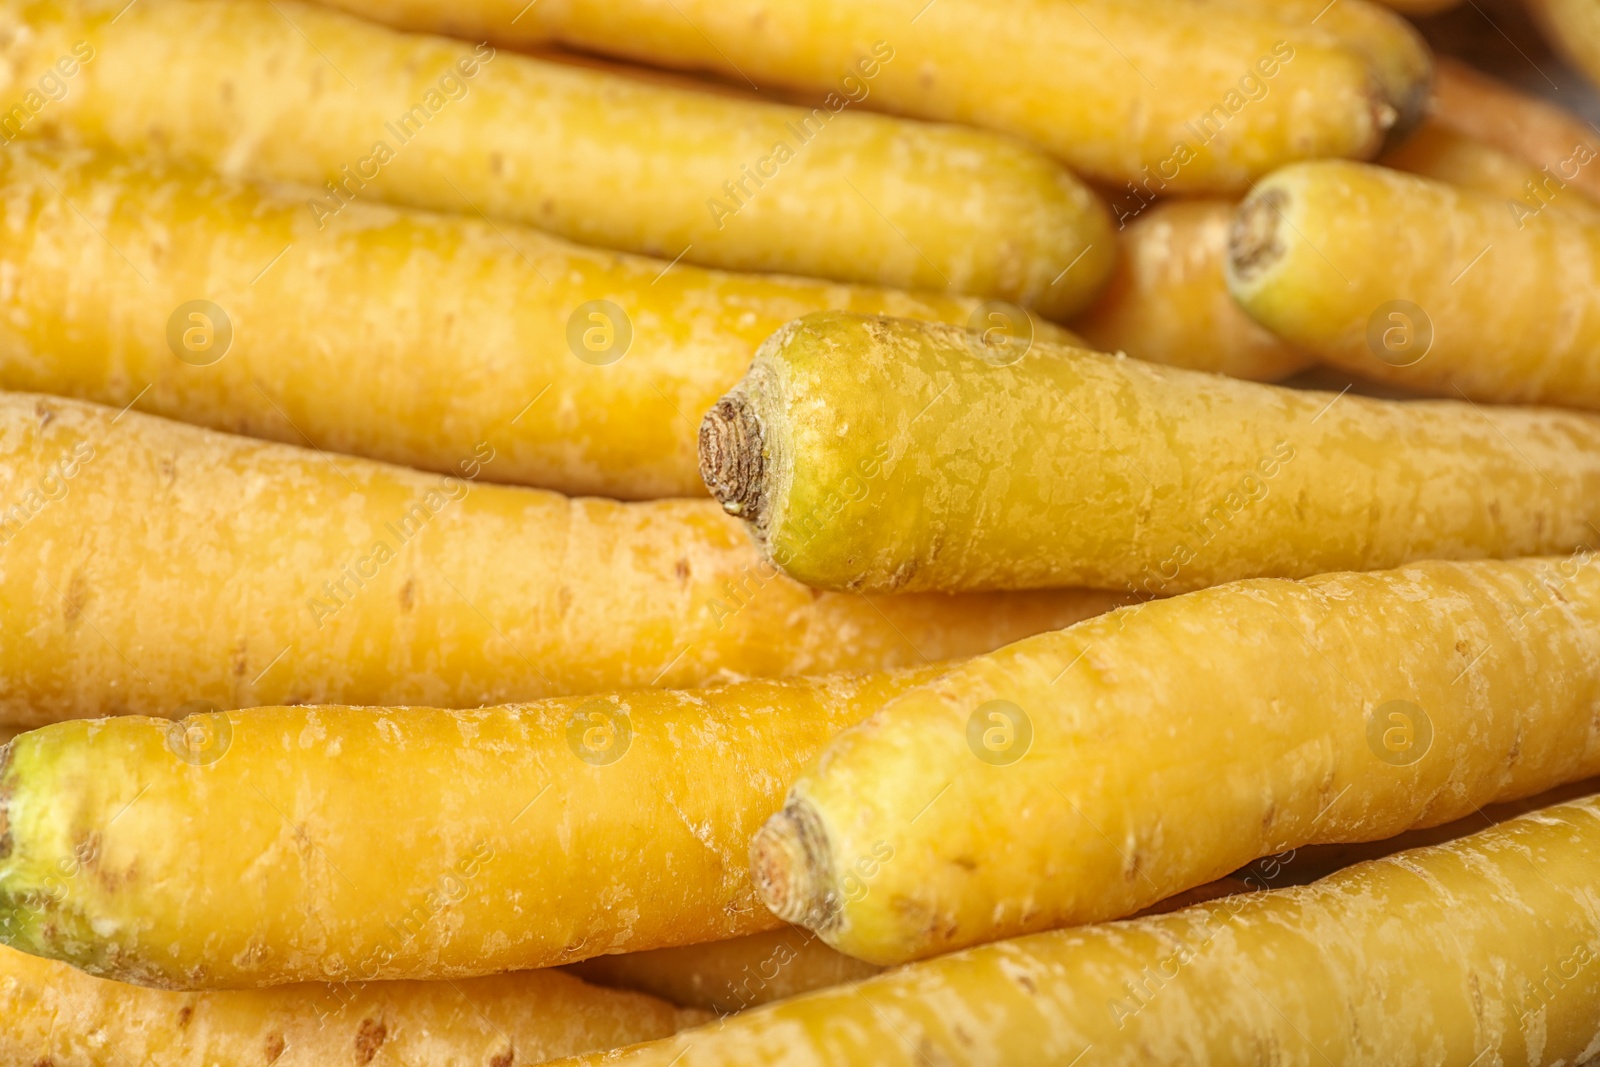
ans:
x=830 y=534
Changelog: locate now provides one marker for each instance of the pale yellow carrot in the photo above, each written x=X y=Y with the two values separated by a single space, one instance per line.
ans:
x=1543 y=133
x=1081 y=776
x=882 y=454
x=1393 y=48
x=290 y=91
x=1443 y=153
x=352 y=844
x=1415 y=282
x=57 y=1015
x=1484 y=950
x=150 y=567
x=413 y=338
x=1160 y=95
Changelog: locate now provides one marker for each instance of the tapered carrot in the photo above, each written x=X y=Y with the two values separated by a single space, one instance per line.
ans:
x=1480 y=951
x=1393 y=48
x=1415 y=282
x=1163 y=95
x=146 y=565
x=883 y=454
x=288 y=91
x=1168 y=302
x=1543 y=133
x=1081 y=776
x=730 y=976
x=366 y=843
x=58 y=1015
x=414 y=336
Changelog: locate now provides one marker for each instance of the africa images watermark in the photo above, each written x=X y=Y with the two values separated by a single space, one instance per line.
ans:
x=1250 y=490
x=1252 y=87
x=449 y=890
x=52 y=485
x=353 y=576
x=51 y=88
x=1552 y=980
x=1210 y=920
x=853 y=89
x=452 y=85
x=1539 y=194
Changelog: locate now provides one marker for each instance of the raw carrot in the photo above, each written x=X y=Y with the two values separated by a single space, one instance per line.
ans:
x=882 y=454
x=1480 y=951
x=1393 y=48
x=1443 y=153
x=295 y=92
x=1168 y=302
x=1163 y=95
x=146 y=566
x=1305 y=865
x=746 y=972
x=1412 y=281
x=414 y=336
x=1080 y=776
x=289 y=844
x=1541 y=132
x=60 y=1016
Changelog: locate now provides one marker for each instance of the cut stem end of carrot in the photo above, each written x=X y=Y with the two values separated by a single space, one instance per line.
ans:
x=789 y=865
x=1253 y=240
x=731 y=460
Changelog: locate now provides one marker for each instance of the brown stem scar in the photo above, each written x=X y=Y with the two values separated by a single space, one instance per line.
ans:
x=731 y=462
x=791 y=868
x=1253 y=237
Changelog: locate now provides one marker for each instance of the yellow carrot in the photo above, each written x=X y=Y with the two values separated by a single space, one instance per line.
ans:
x=147 y=565
x=1412 y=281
x=730 y=976
x=746 y=972
x=1393 y=48
x=882 y=454
x=292 y=844
x=1163 y=95
x=295 y=92
x=1305 y=865
x=1544 y=134
x=413 y=337
x=1168 y=302
x=60 y=1016
x=1481 y=951
x=1573 y=29
x=1441 y=152
x=1080 y=776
